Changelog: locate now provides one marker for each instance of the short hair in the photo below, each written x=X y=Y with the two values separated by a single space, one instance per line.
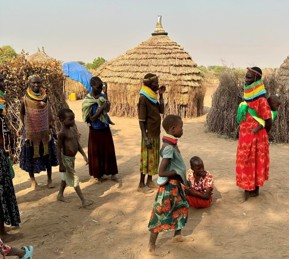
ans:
x=148 y=78
x=170 y=121
x=195 y=160
x=62 y=113
x=95 y=80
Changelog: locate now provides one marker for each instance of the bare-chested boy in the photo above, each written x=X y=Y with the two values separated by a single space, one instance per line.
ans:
x=68 y=145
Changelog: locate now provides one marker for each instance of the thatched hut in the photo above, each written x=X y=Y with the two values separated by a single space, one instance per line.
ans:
x=164 y=57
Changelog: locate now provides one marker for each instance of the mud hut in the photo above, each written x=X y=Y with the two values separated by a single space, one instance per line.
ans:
x=164 y=57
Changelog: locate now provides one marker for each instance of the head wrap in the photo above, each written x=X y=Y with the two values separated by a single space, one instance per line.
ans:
x=34 y=76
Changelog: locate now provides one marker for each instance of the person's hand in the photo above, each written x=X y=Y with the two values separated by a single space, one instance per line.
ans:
x=162 y=89
x=254 y=131
x=85 y=159
x=148 y=143
x=62 y=168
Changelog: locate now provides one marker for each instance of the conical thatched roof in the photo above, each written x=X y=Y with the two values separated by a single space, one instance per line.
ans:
x=164 y=57
x=283 y=74
x=40 y=56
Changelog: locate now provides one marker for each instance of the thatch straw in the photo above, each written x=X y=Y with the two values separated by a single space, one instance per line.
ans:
x=16 y=73
x=164 y=57
x=222 y=115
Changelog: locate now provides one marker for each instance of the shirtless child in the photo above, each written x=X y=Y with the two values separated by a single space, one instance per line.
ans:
x=68 y=145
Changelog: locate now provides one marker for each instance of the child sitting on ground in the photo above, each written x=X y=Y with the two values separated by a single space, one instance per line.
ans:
x=200 y=193
x=68 y=145
x=170 y=210
x=25 y=252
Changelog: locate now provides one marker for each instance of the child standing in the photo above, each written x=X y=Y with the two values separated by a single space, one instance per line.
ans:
x=200 y=192
x=68 y=145
x=149 y=110
x=170 y=210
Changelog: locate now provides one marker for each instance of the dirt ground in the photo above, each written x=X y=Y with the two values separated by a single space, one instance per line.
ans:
x=115 y=226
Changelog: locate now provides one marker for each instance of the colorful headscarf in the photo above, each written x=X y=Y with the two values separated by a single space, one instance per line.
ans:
x=254 y=90
x=34 y=76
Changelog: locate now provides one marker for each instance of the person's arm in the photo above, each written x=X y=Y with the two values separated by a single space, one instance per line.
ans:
x=99 y=110
x=60 y=143
x=162 y=89
x=257 y=129
x=80 y=149
x=22 y=112
x=144 y=134
x=162 y=168
x=205 y=196
x=268 y=124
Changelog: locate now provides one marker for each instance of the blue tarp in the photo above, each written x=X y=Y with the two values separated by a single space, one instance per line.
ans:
x=77 y=72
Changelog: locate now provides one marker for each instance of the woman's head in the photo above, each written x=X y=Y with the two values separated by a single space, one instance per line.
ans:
x=253 y=74
x=35 y=83
x=173 y=125
x=151 y=80
x=96 y=84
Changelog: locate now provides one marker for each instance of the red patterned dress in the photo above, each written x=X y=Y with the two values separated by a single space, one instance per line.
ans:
x=252 y=158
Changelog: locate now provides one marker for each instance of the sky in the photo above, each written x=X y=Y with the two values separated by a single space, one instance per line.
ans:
x=235 y=33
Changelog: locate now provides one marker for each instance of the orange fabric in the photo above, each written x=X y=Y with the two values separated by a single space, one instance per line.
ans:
x=198 y=203
x=252 y=158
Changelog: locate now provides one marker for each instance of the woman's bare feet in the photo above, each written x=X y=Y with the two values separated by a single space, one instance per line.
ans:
x=180 y=238
x=94 y=180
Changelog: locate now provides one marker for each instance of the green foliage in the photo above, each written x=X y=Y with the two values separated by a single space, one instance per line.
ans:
x=6 y=54
x=203 y=69
x=95 y=63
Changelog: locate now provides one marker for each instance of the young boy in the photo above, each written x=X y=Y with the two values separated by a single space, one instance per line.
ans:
x=68 y=145
x=200 y=193
x=149 y=110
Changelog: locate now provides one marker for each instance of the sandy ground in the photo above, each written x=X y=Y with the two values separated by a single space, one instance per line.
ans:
x=115 y=226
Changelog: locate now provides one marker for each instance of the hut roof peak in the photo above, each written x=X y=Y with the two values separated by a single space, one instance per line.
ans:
x=159 y=30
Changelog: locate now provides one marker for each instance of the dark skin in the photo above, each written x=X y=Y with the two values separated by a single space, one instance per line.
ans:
x=68 y=144
x=199 y=172
x=35 y=84
x=154 y=85
x=176 y=131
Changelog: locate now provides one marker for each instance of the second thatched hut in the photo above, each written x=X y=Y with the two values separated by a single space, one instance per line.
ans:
x=164 y=57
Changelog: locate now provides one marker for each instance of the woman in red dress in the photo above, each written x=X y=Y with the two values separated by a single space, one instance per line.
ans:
x=252 y=158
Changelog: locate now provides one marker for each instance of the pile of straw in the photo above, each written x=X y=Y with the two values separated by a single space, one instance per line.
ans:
x=16 y=73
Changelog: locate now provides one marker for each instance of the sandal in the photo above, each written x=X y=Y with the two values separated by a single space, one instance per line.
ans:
x=28 y=252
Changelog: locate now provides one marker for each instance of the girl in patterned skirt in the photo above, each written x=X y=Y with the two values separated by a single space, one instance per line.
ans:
x=170 y=210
